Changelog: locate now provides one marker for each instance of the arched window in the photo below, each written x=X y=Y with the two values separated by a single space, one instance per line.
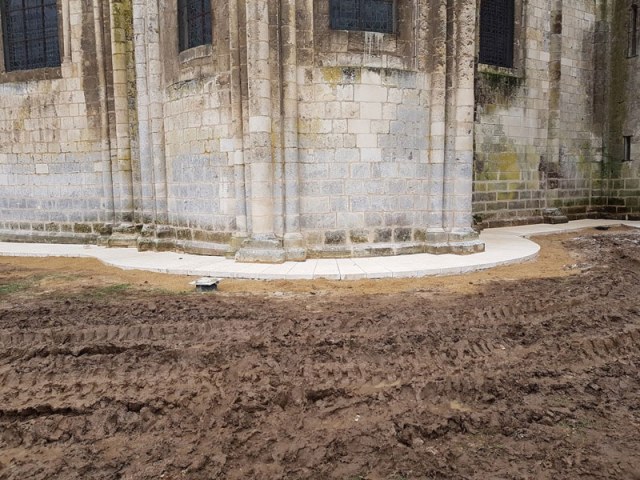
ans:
x=194 y=23
x=30 y=34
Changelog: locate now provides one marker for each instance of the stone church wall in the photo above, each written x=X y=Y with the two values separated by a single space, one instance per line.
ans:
x=619 y=188
x=536 y=146
x=323 y=138
x=53 y=161
x=363 y=133
x=199 y=130
x=283 y=138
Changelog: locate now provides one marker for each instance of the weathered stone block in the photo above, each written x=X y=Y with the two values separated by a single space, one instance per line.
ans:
x=402 y=234
x=336 y=237
x=382 y=235
x=359 y=236
x=81 y=228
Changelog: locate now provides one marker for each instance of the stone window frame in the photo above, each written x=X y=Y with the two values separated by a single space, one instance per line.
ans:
x=517 y=70
x=199 y=61
x=42 y=73
x=183 y=26
x=399 y=47
x=633 y=31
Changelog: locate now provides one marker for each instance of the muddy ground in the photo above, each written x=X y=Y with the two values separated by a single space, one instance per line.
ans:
x=522 y=372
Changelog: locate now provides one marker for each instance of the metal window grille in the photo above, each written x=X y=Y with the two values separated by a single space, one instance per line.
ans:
x=30 y=34
x=496 y=32
x=633 y=31
x=363 y=15
x=194 y=23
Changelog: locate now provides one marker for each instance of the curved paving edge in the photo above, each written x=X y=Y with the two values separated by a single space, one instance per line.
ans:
x=503 y=246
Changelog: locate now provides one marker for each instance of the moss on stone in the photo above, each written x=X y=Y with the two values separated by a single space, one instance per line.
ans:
x=496 y=87
x=340 y=75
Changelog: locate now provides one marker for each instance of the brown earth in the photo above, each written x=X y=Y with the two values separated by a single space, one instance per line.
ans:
x=528 y=371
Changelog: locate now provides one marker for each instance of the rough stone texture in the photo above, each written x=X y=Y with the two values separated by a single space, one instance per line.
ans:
x=619 y=188
x=53 y=166
x=549 y=133
x=323 y=141
x=537 y=145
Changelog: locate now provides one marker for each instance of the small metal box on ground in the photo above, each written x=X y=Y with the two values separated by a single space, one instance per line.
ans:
x=207 y=284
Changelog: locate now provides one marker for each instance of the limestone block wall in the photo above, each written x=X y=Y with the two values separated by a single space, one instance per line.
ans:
x=54 y=167
x=281 y=139
x=371 y=132
x=579 y=150
x=284 y=138
x=291 y=134
x=619 y=188
x=629 y=190
x=364 y=164
x=537 y=145
x=198 y=128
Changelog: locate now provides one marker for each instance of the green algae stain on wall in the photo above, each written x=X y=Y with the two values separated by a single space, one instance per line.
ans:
x=496 y=87
x=617 y=101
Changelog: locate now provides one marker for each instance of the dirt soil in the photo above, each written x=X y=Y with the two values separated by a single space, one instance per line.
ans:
x=521 y=372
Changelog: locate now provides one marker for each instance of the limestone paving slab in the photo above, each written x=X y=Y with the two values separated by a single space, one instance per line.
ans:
x=350 y=270
x=373 y=268
x=503 y=246
x=327 y=268
x=302 y=270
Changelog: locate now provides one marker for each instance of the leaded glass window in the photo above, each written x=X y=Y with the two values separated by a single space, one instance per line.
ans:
x=194 y=23
x=496 y=32
x=364 y=15
x=30 y=34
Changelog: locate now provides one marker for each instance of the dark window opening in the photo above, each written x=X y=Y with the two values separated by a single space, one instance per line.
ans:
x=627 y=149
x=363 y=15
x=30 y=34
x=496 y=32
x=633 y=31
x=194 y=23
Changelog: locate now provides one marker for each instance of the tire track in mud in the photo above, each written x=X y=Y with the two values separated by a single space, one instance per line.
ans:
x=597 y=349
x=465 y=363
x=376 y=382
x=358 y=379
x=52 y=357
x=59 y=389
x=102 y=333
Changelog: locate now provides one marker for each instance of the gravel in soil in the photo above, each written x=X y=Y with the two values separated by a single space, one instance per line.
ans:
x=523 y=372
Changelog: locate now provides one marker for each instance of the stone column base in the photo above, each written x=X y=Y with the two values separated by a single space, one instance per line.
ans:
x=295 y=247
x=261 y=249
x=464 y=241
x=124 y=235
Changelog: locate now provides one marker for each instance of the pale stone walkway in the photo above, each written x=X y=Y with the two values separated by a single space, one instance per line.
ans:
x=503 y=246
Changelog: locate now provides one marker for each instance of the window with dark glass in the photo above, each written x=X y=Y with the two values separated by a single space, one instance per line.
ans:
x=364 y=15
x=194 y=23
x=30 y=34
x=633 y=31
x=496 y=32
x=626 y=149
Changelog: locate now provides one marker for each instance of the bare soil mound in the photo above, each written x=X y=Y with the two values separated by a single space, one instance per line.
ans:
x=527 y=378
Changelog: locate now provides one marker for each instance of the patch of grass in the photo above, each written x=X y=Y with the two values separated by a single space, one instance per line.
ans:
x=13 y=287
x=111 y=289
